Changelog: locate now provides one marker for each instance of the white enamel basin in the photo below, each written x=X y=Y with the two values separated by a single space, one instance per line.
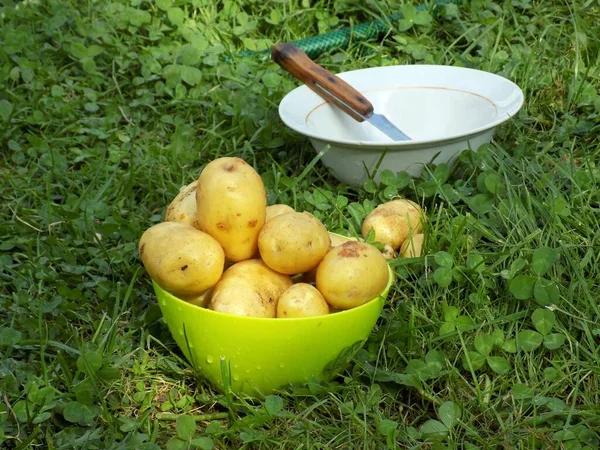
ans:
x=444 y=109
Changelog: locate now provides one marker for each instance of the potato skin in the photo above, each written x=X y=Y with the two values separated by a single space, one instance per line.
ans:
x=293 y=243
x=351 y=275
x=277 y=209
x=231 y=203
x=249 y=288
x=393 y=222
x=183 y=207
x=413 y=246
x=202 y=300
x=181 y=259
x=336 y=240
x=301 y=300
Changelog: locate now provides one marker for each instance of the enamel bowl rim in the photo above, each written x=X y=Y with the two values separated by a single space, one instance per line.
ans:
x=303 y=93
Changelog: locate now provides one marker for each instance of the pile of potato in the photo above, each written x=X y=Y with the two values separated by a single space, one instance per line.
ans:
x=222 y=247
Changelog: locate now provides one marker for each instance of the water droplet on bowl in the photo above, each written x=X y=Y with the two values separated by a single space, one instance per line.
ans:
x=209 y=359
x=236 y=378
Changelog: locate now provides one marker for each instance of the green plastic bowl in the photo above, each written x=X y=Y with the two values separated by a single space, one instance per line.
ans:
x=256 y=356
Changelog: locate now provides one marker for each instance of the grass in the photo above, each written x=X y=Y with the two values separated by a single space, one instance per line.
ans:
x=107 y=108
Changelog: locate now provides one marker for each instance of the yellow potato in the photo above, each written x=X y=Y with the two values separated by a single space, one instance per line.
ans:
x=352 y=274
x=301 y=300
x=393 y=222
x=231 y=204
x=276 y=210
x=413 y=246
x=183 y=207
x=202 y=300
x=336 y=240
x=249 y=288
x=293 y=243
x=181 y=259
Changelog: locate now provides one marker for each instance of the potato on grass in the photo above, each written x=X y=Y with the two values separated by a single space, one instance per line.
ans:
x=293 y=243
x=352 y=274
x=231 y=206
x=183 y=207
x=393 y=222
x=249 y=288
x=181 y=259
x=413 y=246
x=277 y=209
x=301 y=300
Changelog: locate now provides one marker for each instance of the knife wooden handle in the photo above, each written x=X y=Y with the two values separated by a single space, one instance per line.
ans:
x=323 y=82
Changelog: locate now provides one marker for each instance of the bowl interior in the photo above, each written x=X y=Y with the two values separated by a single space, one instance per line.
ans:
x=429 y=103
x=255 y=356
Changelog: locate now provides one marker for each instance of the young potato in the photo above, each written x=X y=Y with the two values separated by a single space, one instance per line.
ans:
x=413 y=246
x=336 y=240
x=293 y=243
x=231 y=204
x=183 y=207
x=352 y=274
x=301 y=300
x=181 y=259
x=277 y=209
x=249 y=288
x=202 y=300
x=393 y=222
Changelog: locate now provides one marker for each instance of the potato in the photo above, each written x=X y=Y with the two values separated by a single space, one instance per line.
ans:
x=301 y=300
x=352 y=274
x=202 y=300
x=181 y=259
x=183 y=207
x=393 y=222
x=336 y=240
x=249 y=288
x=293 y=243
x=276 y=210
x=231 y=204
x=413 y=246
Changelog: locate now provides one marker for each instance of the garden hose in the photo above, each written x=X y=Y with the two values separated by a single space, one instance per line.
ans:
x=316 y=45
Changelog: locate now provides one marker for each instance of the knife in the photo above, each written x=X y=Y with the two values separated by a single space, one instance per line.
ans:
x=332 y=88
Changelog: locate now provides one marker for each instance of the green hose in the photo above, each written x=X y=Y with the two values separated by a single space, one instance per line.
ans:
x=316 y=45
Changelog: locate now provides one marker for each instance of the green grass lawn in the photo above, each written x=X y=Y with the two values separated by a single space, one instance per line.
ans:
x=108 y=107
